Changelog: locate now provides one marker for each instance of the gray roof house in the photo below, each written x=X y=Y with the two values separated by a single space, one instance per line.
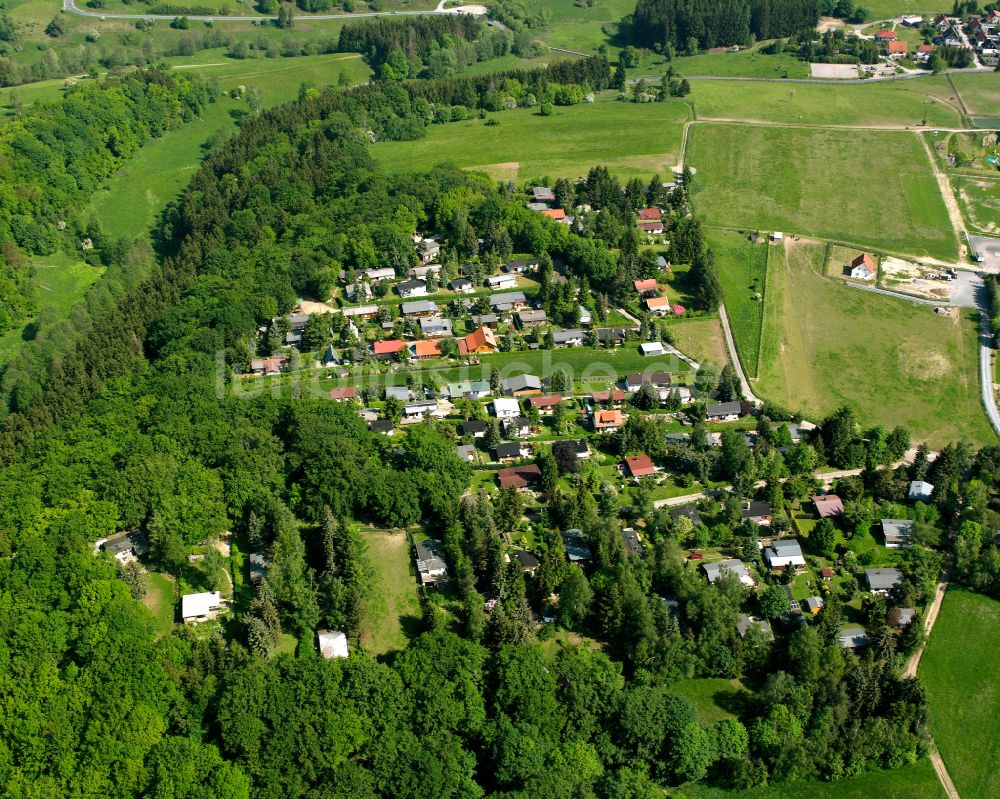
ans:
x=577 y=550
x=430 y=562
x=883 y=580
x=412 y=288
x=713 y=571
x=853 y=638
x=784 y=552
x=724 y=411
x=435 y=326
x=519 y=383
x=898 y=533
x=920 y=490
x=688 y=511
x=570 y=337
x=745 y=623
x=418 y=307
x=401 y=393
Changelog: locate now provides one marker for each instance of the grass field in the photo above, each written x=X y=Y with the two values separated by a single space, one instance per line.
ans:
x=881 y=193
x=958 y=670
x=159 y=601
x=714 y=698
x=577 y=27
x=743 y=273
x=979 y=200
x=700 y=339
x=981 y=93
x=394 y=610
x=826 y=344
x=746 y=63
x=525 y=145
x=910 y=782
x=894 y=104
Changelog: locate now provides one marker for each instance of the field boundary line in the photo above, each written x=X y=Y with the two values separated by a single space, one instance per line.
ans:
x=734 y=356
x=961 y=99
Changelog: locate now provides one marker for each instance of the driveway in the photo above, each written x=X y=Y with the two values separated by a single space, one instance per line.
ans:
x=989 y=249
x=966 y=290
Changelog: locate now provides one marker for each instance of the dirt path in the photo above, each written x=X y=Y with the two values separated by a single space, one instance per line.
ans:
x=943 y=775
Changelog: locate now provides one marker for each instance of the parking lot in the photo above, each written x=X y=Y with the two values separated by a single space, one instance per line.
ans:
x=989 y=249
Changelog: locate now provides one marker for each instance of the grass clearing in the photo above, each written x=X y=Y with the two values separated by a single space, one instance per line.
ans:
x=909 y=782
x=526 y=145
x=826 y=344
x=901 y=211
x=578 y=27
x=159 y=601
x=958 y=670
x=701 y=339
x=980 y=91
x=931 y=101
x=749 y=63
x=979 y=199
x=393 y=613
x=742 y=268
x=715 y=699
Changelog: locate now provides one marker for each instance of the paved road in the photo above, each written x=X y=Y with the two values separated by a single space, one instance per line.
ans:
x=986 y=350
x=734 y=358
x=73 y=8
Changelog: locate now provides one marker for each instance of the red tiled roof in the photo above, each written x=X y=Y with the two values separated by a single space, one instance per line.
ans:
x=427 y=349
x=650 y=227
x=480 y=338
x=649 y=213
x=639 y=465
x=546 y=400
x=343 y=393
x=645 y=285
x=519 y=476
x=828 y=505
x=607 y=419
x=865 y=259
x=897 y=48
x=657 y=302
x=554 y=213
x=925 y=48
x=604 y=396
x=886 y=36
x=388 y=347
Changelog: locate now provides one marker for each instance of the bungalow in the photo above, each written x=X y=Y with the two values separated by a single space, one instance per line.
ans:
x=639 y=466
x=896 y=47
x=506 y=452
x=649 y=214
x=293 y=339
x=757 y=512
x=645 y=286
x=580 y=448
x=469 y=389
x=200 y=607
x=651 y=228
x=429 y=348
x=428 y=250
x=419 y=308
x=920 y=490
x=401 y=393
x=473 y=427
x=862 y=268
x=576 y=547
x=542 y=194
x=658 y=379
x=418 y=411
x=388 y=348
x=713 y=571
x=607 y=421
x=380 y=274
x=517 y=427
x=461 y=285
x=269 y=366
x=424 y=272
x=784 y=552
x=519 y=476
x=570 y=337
x=897 y=533
x=501 y=281
x=343 y=394
x=511 y=301
x=360 y=312
x=466 y=452
x=658 y=305
x=557 y=214
x=885 y=36
x=828 y=506
x=490 y=320
x=297 y=322
x=912 y=20
x=611 y=336
x=690 y=512
x=531 y=318
x=613 y=396
x=923 y=52
x=546 y=403
x=382 y=427
x=651 y=348
x=882 y=581
x=431 y=565
x=527 y=561
x=518 y=266
x=724 y=411
x=522 y=386
x=632 y=542
x=331 y=643
x=258 y=567
x=125 y=548
x=853 y=638
x=745 y=623
x=435 y=326
x=812 y=605
x=506 y=408
x=480 y=342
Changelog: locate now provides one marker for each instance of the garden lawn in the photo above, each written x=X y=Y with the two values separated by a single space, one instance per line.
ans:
x=60 y=281
x=826 y=344
x=958 y=669
x=632 y=140
x=742 y=266
x=159 y=601
x=979 y=199
x=392 y=614
x=714 y=698
x=890 y=104
x=871 y=188
x=909 y=782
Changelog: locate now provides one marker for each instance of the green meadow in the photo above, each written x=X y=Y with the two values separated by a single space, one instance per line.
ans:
x=742 y=266
x=872 y=188
x=958 y=669
x=979 y=199
x=628 y=138
x=980 y=91
x=393 y=614
x=826 y=344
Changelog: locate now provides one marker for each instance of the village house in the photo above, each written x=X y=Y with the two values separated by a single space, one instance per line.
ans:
x=461 y=285
x=531 y=318
x=360 y=312
x=580 y=448
x=382 y=427
x=634 y=382
x=490 y=320
x=745 y=623
x=418 y=411
x=646 y=288
x=428 y=250
x=862 y=268
x=896 y=48
x=658 y=305
x=501 y=282
x=576 y=547
x=897 y=533
x=690 y=512
x=419 y=308
x=508 y=451
x=520 y=266
x=649 y=214
x=430 y=560
x=724 y=411
x=651 y=349
x=200 y=607
x=506 y=303
x=526 y=560
x=614 y=397
x=380 y=274
x=920 y=491
x=466 y=452
x=506 y=408
x=344 y=394
x=519 y=476
x=420 y=350
x=401 y=393
x=883 y=581
x=784 y=552
x=607 y=421
x=543 y=194
x=479 y=342
x=828 y=506
x=632 y=542
x=885 y=36
x=923 y=53
x=611 y=336
x=638 y=466
x=538 y=206
x=651 y=228
x=269 y=366
x=435 y=326
x=546 y=403
x=757 y=512
x=425 y=271
x=331 y=643
x=556 y=214
x=713 y=571
x=475 y=428
x=258 y=567
x=812 y=605
x=470 y=389
x=854 y=638
x=127 y=548
x=330 y=357
x=522 y=386
x=388 y=348
x=570 y=337
x=517 y=427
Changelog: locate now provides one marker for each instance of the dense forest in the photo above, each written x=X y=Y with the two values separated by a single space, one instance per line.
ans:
x=132 y=432
x=687 y=26
x=53 y=158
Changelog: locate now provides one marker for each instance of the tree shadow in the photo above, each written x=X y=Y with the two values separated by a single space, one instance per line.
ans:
x=737 y=702
x=30 y=331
